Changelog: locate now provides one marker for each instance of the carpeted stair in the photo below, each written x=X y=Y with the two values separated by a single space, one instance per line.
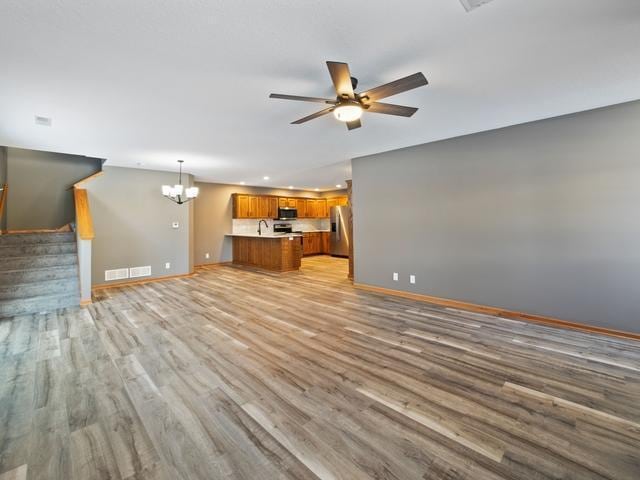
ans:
x=38 y=273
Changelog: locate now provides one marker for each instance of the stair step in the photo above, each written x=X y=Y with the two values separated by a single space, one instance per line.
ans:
x=37 y=261
x=39 y=304
x=11 y=277
x=64 y=286
x=21 y=250
x=23 y=238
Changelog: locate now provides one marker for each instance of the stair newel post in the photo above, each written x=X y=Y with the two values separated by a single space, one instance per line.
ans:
x=84 y=236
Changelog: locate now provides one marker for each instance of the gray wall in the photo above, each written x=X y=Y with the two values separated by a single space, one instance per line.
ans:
x=213 y=213
x=132 y=222
x=540 y=218
x=39 y=182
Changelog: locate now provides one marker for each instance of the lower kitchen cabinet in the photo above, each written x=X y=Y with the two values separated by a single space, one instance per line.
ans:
x=314 y=243
x=326 y=248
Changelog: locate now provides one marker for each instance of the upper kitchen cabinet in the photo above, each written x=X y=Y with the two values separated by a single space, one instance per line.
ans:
x=342 y=201
x=310 y=205
x=254 y=206
x=284 y=202
x=242 y=206
x=266 y=206
x=321 y=208
x=301 y=206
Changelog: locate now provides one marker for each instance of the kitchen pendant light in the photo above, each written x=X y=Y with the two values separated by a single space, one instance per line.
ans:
x=178 y=193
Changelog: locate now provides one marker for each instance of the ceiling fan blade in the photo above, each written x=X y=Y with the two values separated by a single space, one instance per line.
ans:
x=302 y=99
x=341 y=78
x=313 y=115
x=473 y=4
x=390 y=109
x=354 y=124
x=393 y=88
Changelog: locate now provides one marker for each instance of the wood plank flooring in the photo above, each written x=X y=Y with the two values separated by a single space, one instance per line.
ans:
x=238 y=374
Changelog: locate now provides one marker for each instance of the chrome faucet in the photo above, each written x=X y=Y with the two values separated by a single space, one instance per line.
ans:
x=260 y=225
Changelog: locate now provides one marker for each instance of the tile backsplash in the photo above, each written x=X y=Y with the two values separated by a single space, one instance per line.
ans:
x=245 y=225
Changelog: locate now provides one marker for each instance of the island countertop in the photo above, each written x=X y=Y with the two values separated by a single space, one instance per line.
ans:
x=266 y=235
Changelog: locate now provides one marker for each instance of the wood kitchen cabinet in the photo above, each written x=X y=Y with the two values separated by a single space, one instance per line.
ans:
x=342 y=201
x=314 y=243
x=266 y=206
x=301 y=206
x=310 y=207
x=325 y=246
x=310 y=243
x=240 y=206
x=245 y=206
x=254 y=206
x=321 y=208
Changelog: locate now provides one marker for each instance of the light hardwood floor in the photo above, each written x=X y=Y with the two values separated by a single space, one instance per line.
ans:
x=236 y=374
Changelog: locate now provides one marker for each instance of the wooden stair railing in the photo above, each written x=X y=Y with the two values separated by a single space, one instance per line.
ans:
x=84 y=222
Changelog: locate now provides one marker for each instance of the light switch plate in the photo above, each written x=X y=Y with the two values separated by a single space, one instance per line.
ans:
x=395 y=276
x=175 y=225
x=412 y=279
x=206 y=255
x=167 y=265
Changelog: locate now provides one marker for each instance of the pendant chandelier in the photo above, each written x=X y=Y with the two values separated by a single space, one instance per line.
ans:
x=178 y=193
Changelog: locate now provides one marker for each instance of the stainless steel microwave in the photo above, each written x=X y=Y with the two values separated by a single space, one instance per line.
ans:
x=286 y=213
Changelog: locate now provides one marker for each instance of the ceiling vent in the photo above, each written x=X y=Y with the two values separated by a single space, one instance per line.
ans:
x=44 y=121
x=473 y=4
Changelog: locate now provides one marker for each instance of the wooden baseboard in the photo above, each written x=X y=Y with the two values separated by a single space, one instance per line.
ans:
x=104 y=286
x=84 y=303
x=498 y=312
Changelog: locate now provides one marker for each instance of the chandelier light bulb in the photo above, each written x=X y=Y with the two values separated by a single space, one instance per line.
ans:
x=179 y=193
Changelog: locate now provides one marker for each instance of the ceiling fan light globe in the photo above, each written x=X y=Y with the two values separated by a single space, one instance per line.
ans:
x=348 y=112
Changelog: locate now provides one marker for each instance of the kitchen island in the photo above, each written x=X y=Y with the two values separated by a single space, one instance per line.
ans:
x=279 y=253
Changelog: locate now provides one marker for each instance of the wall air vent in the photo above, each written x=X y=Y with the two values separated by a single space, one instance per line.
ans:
x=139 y=272
x=117 y=274
x=44 y=121
x=473 y=4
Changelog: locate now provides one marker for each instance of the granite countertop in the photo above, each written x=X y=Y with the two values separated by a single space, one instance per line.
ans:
x=264 y=235
x=274 y=235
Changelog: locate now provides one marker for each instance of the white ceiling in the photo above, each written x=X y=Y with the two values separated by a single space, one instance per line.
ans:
x=143 y=83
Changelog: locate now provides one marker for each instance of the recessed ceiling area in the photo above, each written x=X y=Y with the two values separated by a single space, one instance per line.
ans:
x=144 y=83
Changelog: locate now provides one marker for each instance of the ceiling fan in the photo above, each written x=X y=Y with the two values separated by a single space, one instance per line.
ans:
x=349 y=105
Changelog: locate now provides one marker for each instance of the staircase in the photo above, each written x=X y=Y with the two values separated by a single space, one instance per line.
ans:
x=38 y=272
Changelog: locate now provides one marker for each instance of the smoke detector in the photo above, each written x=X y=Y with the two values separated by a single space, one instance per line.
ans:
x=44 y=121
x=473 y=4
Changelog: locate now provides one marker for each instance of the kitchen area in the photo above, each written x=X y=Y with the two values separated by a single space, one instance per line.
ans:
x=274 y=232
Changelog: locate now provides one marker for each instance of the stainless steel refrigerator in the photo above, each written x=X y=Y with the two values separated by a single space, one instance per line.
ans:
x=339 y=217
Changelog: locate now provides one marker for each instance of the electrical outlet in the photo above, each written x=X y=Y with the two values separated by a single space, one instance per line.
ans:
x=175 y=225
x=206 y=255
x=167 y=265
x=412 y=279
x=395 y=276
